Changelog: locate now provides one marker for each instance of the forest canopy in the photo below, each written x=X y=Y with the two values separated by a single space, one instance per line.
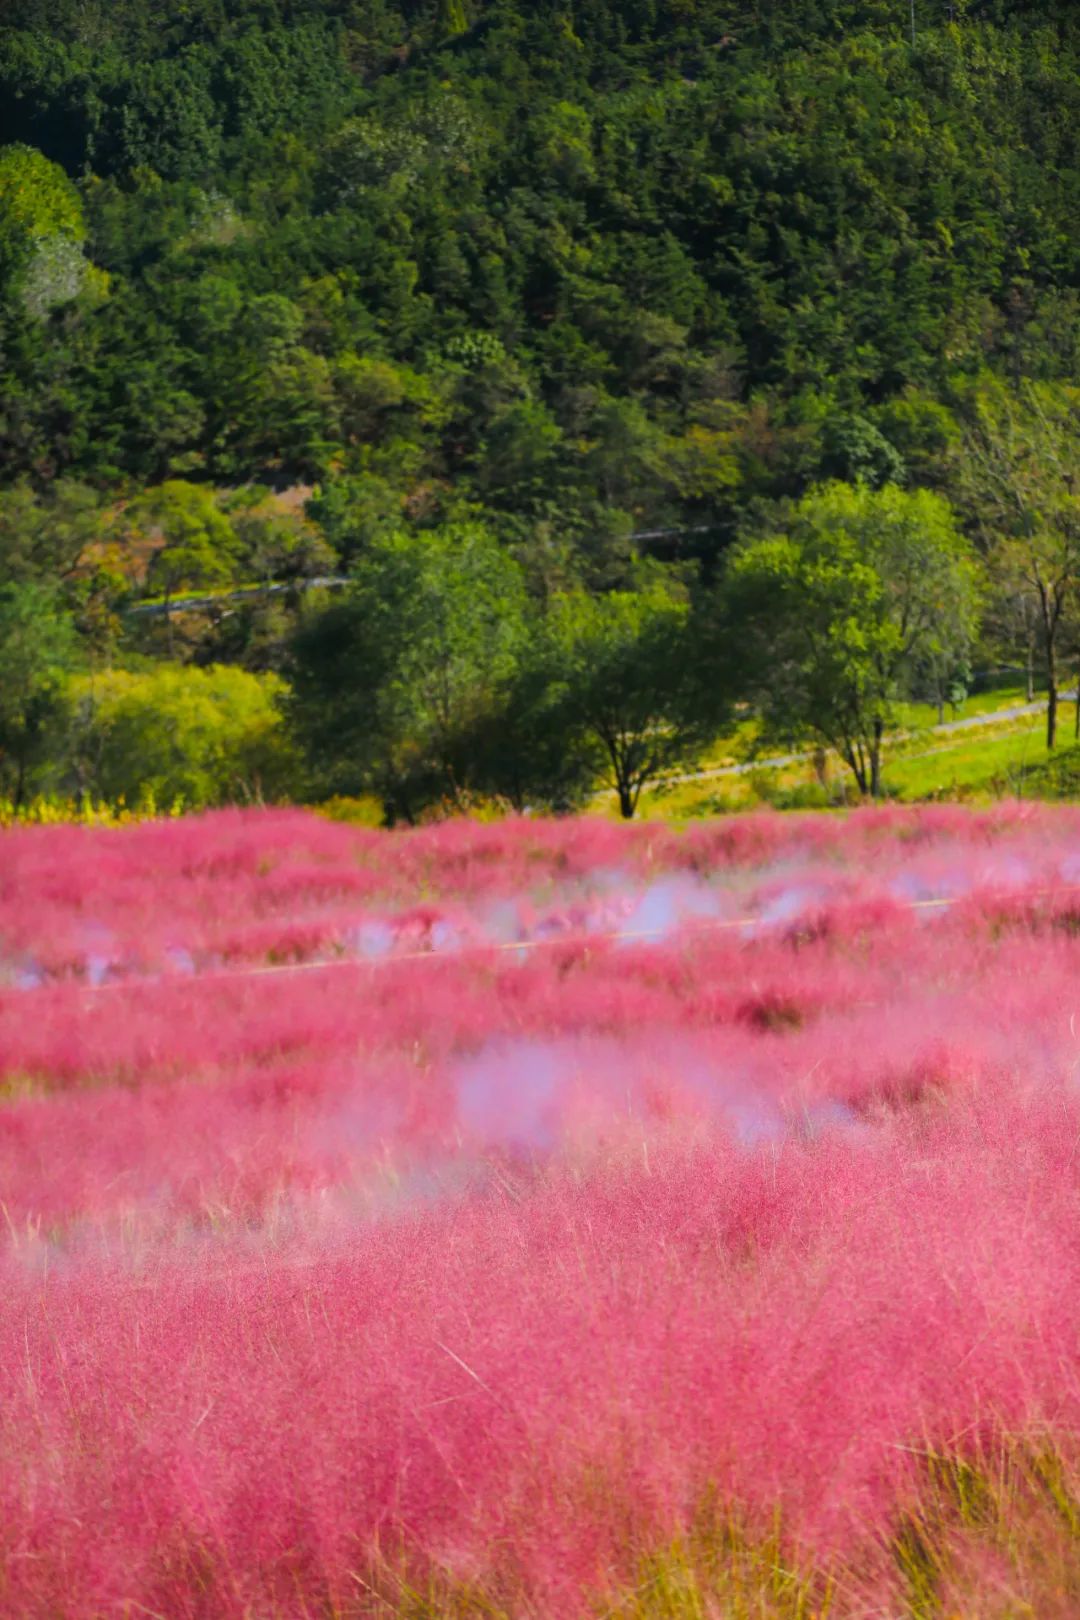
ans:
x=619 y=282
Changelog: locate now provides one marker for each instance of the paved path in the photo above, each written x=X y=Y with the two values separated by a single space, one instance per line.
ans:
x=971 y=722
x=243 y=593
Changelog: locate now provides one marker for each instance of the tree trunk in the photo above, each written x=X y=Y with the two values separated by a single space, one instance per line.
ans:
x=622 y=770
x=875 y=761
x=857 y=768
x=397 y=805
x=1051 y=604
x=1030 y=670
x=821 y=766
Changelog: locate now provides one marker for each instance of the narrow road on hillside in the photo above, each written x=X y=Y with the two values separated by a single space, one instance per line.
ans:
x=242 y=593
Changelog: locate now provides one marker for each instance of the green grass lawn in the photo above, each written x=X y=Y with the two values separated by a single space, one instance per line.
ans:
x=990 y=763
x=736 y=746
x=920 y=716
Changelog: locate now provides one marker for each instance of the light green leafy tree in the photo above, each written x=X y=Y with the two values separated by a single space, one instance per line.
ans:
x=834 y=618
x=275 y=543
x=197 y=545
x=179 y=735
x=36 y=199
x=452 y=17
x=563 y=136
x=42 y=232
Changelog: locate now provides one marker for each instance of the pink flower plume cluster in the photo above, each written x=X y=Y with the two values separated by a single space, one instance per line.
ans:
x=477 y=1203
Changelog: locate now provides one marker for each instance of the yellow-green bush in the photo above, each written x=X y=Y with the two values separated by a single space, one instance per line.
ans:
x=177 y=737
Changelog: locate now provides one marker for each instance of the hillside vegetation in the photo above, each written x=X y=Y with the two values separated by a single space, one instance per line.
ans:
x=573 y=302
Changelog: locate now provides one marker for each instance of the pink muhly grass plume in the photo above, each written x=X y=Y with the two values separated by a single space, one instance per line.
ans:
x=472 y=1208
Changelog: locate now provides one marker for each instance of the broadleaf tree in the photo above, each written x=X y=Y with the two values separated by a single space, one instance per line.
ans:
x=633 y=683
x=392 y=682
x=46 y=537
x=196 y=544
x=835 y=616
x=1020 y=479
x=523 y=749
x=36 y=647
x=174 y=736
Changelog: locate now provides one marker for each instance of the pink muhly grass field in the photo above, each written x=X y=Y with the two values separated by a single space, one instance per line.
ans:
x=541 y=1219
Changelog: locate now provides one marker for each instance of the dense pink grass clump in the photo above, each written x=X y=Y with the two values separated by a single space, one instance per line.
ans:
x=478 y=1203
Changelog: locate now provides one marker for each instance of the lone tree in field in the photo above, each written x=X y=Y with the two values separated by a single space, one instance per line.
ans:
x=633 y=688
x=1021 y=480
x=835 y=616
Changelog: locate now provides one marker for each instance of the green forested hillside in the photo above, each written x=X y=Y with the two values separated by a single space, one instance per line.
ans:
x=608 y=277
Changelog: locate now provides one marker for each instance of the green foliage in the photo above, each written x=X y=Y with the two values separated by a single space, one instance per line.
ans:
x=42 y=231
x=432 y=681
x=527 y=748
x=326 y=228
x=1018 y=477
x=835 y=617
x=35 y=651
x=195 y=737
x=272 y=543
x=632 y=683
x=46 y=537
x=352 y=511
x=854 y=451
x=391 y=683
x=36 y=199
x=614 y=284
x=1057 y=777
x=196 y=545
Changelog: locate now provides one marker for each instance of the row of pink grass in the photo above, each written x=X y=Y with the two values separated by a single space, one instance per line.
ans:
x=502 y=1263
x=246 y=888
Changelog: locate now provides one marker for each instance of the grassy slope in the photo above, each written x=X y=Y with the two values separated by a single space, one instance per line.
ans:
x=999 y=761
